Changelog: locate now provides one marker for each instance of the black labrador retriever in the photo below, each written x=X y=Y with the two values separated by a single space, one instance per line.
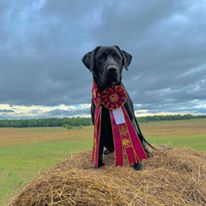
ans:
x=106 y=65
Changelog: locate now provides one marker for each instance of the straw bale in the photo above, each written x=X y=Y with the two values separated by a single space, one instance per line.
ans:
x=175 y=177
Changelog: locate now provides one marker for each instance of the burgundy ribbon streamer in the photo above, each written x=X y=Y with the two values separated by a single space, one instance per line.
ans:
x=124 y=135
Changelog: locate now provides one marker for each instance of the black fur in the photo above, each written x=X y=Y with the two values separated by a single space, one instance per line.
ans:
x=106 y=64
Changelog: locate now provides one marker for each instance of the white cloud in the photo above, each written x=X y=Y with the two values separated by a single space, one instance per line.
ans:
x=195 y=107
x=39 y=111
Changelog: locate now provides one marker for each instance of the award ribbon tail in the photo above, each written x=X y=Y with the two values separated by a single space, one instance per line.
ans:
x=117 y=141
x=97 y=133
x=122 y=140
x=134 y=137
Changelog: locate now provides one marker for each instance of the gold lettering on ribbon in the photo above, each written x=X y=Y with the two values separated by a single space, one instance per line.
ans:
x=122 y=129
x=125 y=142
x=124 y=133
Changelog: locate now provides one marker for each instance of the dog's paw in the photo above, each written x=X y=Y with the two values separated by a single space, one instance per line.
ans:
x=107 y=152
x=101 y=164
x=138 y=166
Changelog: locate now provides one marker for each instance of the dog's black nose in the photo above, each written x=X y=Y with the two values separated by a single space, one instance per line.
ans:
x=112 y=70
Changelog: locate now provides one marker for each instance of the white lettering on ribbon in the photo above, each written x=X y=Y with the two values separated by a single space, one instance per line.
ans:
x=118 y=115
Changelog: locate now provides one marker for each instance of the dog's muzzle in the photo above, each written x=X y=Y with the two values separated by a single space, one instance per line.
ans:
x=112 y=73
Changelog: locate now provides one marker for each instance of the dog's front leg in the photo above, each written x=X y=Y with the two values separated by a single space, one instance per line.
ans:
x=92 y=111
x=101 y=149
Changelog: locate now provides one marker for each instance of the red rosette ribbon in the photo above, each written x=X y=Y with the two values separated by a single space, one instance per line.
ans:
x=113 y=97
x=124 y=135
x=96 y=96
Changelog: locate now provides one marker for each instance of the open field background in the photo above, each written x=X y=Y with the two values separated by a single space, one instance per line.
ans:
x=24 y=152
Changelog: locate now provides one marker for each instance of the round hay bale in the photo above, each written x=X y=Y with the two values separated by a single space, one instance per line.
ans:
x=171 y=177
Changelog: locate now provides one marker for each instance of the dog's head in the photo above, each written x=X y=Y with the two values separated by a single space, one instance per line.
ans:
x=106 y=64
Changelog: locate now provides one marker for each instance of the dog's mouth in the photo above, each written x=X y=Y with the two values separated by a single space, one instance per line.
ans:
x=113 y=76
x=113 y=80
x=109 y=82
x=110 y=78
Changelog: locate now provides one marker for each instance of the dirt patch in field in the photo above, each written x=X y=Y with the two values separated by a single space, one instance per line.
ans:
x=171 y=177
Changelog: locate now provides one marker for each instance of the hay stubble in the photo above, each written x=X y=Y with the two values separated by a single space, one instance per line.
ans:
x=171 y=177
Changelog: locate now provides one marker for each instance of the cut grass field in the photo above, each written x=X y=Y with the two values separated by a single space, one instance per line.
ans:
x=24 y=152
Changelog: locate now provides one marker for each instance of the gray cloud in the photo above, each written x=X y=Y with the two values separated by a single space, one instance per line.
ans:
x=42 y=43
x=6 y=111
x=63 y=113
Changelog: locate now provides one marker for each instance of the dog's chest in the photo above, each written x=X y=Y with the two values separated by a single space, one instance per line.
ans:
x=106 y=122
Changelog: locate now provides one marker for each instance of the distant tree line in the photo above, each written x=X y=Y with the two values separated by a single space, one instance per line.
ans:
x=48 y=122
x=82 y=121
x=169 y=117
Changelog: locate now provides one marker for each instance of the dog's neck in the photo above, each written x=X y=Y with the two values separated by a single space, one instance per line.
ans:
x=102 y=87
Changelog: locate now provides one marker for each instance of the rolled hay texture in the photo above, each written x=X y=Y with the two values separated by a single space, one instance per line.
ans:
x=173 y=177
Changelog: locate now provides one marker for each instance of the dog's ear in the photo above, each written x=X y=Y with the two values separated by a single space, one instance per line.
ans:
x=88 y=59
x=127 y=58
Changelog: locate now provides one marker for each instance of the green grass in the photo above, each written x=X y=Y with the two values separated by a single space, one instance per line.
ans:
x=19 y=163
x=197 y=142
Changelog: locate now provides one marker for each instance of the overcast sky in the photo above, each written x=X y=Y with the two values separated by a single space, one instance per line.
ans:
x=42 y=43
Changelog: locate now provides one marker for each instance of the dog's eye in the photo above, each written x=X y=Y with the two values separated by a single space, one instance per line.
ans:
x=116 y=57
x=103 y=57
